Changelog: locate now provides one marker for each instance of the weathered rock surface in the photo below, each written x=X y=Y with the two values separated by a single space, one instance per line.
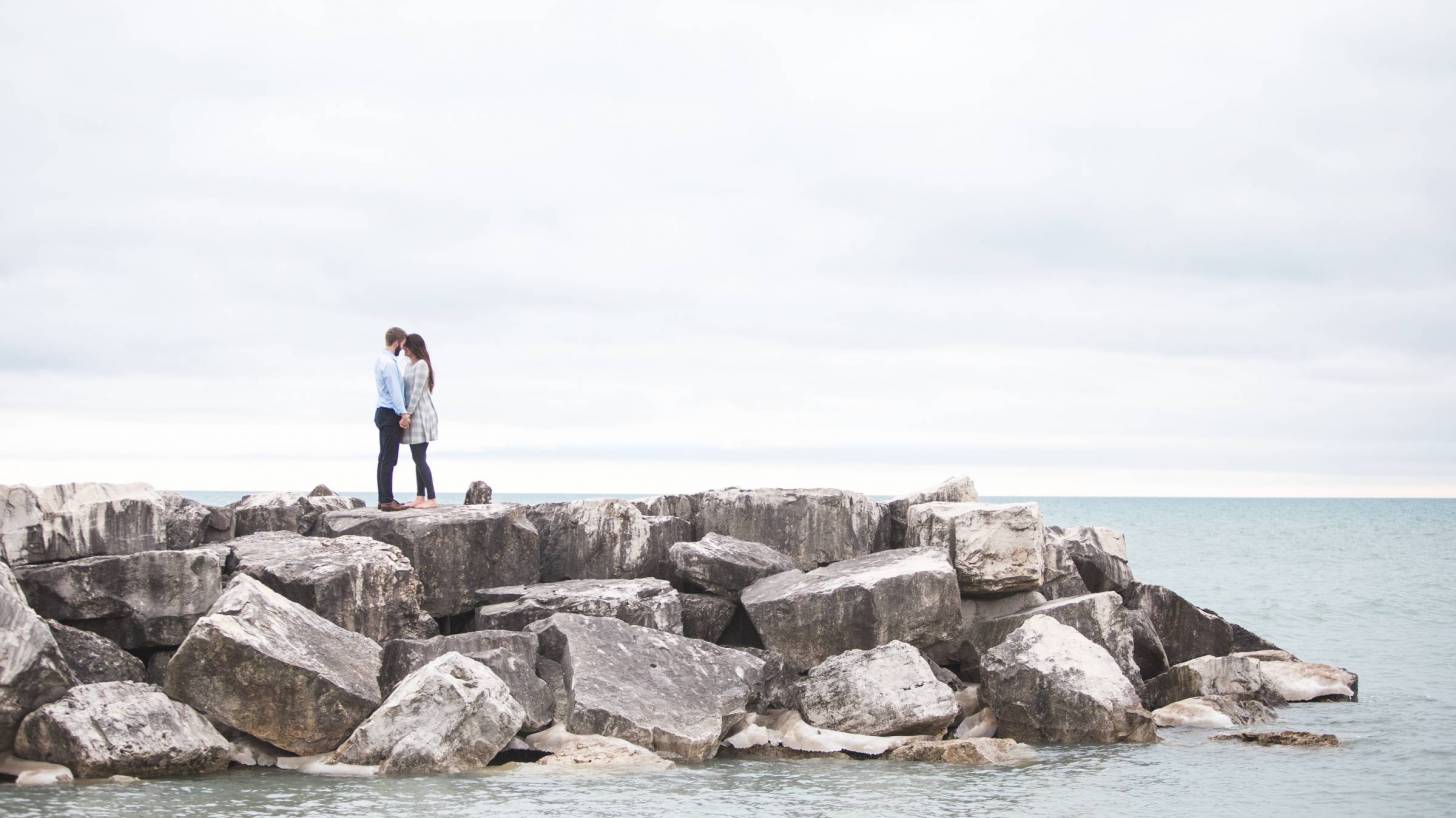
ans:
x=1098 y=617
x=29 y=773
x=286 y=511
x=33 y=671
x=190 y=524
x=597 y=752
x=73 y=520
x=759 y=734
x=1047 y=683
x=980 y=724
x=1147 y=646
x=706 y=616
x=1095 y=552
x=674 y=695
x=1214 y=712
x=451 y=715
x=959 y=489
x=1185 y=630
x=357 y=583
x=1283 y=738
x=1236 y=676
x=724 y=565
x=651 y=603
x=596 y=539
x=511 y=655
x=454 y=549
x=147 y=599
x=813 y=527
x=122 y=728
x=976 y=609
x=906 y=594
x=684 y=506
x=273 y=669
x=157 y=667
x=662 y=531
x=1308 y=681
x=885 y=691
x=995 y=548
x=95 y=658
x=1061 y=579
x=967 y=751
x=479 y=493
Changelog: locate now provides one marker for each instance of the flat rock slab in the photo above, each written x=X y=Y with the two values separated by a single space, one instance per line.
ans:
x=890 y=690
x=357 y=583
x=511 y=655
x=142 y=600
x=454 y=549
x=1049 y=684
x=596 y=539
x=724 y=565
x=95 y=658
x=451 y=715
x=906 y=594
x=995 y=548
x=813 y=527
x=122 y=728
x=651 y=603
x=958 y=489
x=1099 y=617
x=968 y=751
x=706 y=616
x=273 y=669
x=674 y=695
x=291 y=511
x=1214 y=712
x=73 y=520
x=33 y=670
x=1283 y=738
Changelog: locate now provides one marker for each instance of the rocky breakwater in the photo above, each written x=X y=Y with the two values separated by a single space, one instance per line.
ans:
x=299 y=629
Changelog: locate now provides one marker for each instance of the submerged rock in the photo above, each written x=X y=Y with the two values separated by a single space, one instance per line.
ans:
x=479 y=493
x=122 y=728
x=812 y=527
x=95 y=658
x=651 y=603
x=291 y=511
x=674 y=695
x=357 y=583
x=995 y=548
x=453 y=714
x=511 y=655
x=33 y=670
x=1214 y=712
x=968 y=751
x=787 y=730
x=147 y=599
x=1099 y=617
x=885 y=691
x=724 y=565
x=1047 y=683
x=454 y=549
x=267 y=666
x=706 y=616
x=598 y=752
x=906 y=594
x=959 y=489
x=73 y=520
x=596 y=539
x=1283 y=738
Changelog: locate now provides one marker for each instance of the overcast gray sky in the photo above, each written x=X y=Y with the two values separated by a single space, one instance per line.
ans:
x=1068 y=248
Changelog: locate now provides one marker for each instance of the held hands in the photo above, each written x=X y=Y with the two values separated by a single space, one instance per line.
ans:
x=404 y=421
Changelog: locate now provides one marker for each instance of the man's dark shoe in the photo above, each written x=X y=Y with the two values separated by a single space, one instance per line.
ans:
x=392 y=505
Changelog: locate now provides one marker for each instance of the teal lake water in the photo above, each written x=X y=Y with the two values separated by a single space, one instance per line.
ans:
x=1366 y=584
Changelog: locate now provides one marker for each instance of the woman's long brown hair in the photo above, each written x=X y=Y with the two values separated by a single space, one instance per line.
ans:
x=416 y=345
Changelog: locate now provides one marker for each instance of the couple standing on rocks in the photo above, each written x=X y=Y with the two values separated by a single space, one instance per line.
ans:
x=405 y=413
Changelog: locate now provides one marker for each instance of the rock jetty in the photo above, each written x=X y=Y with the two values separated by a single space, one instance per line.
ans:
x=145 y=634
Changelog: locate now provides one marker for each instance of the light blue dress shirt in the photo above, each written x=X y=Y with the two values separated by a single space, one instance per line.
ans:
x=388 y=383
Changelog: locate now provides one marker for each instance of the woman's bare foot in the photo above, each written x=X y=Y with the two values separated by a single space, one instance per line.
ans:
x=415 y=503
x=426 y=504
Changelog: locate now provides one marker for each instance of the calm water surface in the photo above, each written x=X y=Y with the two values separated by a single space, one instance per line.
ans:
x=1362 y=583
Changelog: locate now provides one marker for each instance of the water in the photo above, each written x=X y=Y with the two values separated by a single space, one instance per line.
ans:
x=1362 y=583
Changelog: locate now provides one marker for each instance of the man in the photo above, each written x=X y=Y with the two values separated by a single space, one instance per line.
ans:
x=389 y=415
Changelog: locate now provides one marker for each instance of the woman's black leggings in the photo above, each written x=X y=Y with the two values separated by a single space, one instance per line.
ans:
x=424 y=481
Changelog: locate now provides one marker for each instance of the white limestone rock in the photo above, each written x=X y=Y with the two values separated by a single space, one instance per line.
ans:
x=1214 y=713
x=813 y=527
x=72 y=520
x=592 y=751
x=980 y=724
x=651 y=603
x=1237 y=676
x=453 y=714
x=972 y=752
x=292 y=511
x=958 y=489
x=1099 y=617
x=511 y=655
x=787 y=729
x=33 y=670
x=1308 y=681
x=885 y=691
x=995 y=548
x=596 y=539
x=29 y=773
x=724 y=565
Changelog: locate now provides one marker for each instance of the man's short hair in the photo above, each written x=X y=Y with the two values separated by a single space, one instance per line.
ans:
x=394 y=335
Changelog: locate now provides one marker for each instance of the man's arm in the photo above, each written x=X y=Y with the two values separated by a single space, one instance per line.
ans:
x=396 y=388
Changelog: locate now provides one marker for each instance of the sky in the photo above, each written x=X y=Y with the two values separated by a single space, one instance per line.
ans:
x=1122 y=248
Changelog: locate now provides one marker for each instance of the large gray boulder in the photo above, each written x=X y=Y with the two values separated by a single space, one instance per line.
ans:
x=651 y=603
x=1236 y=676
x=706 y=616
x=1060 y=576
x=724 y=565
x=1185 y=630
x=1098 y=617
x=1049 y=684
x=451 y=715
x=958 y=489
x=95 y=658
x=73 y=520
x=357 y=583
x=995 y=548
x=907 y=594
x=33 y=671
x=890 y=690
x=122 y=728
x=144 y=600
x=596 y=539
x=454 y=549
x=684 y=506
x=1095 y=552
x=293 y=511
x=479 y=493
x=190 y=524
x=511 y=655
x=662 y=531
x=674 y=695
x=813 y=527
x=275 y=670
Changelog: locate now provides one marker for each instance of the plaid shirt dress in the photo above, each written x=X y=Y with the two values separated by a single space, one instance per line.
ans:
x=424 y=423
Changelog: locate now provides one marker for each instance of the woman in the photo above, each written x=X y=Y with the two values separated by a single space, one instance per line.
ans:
x=420 y=423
